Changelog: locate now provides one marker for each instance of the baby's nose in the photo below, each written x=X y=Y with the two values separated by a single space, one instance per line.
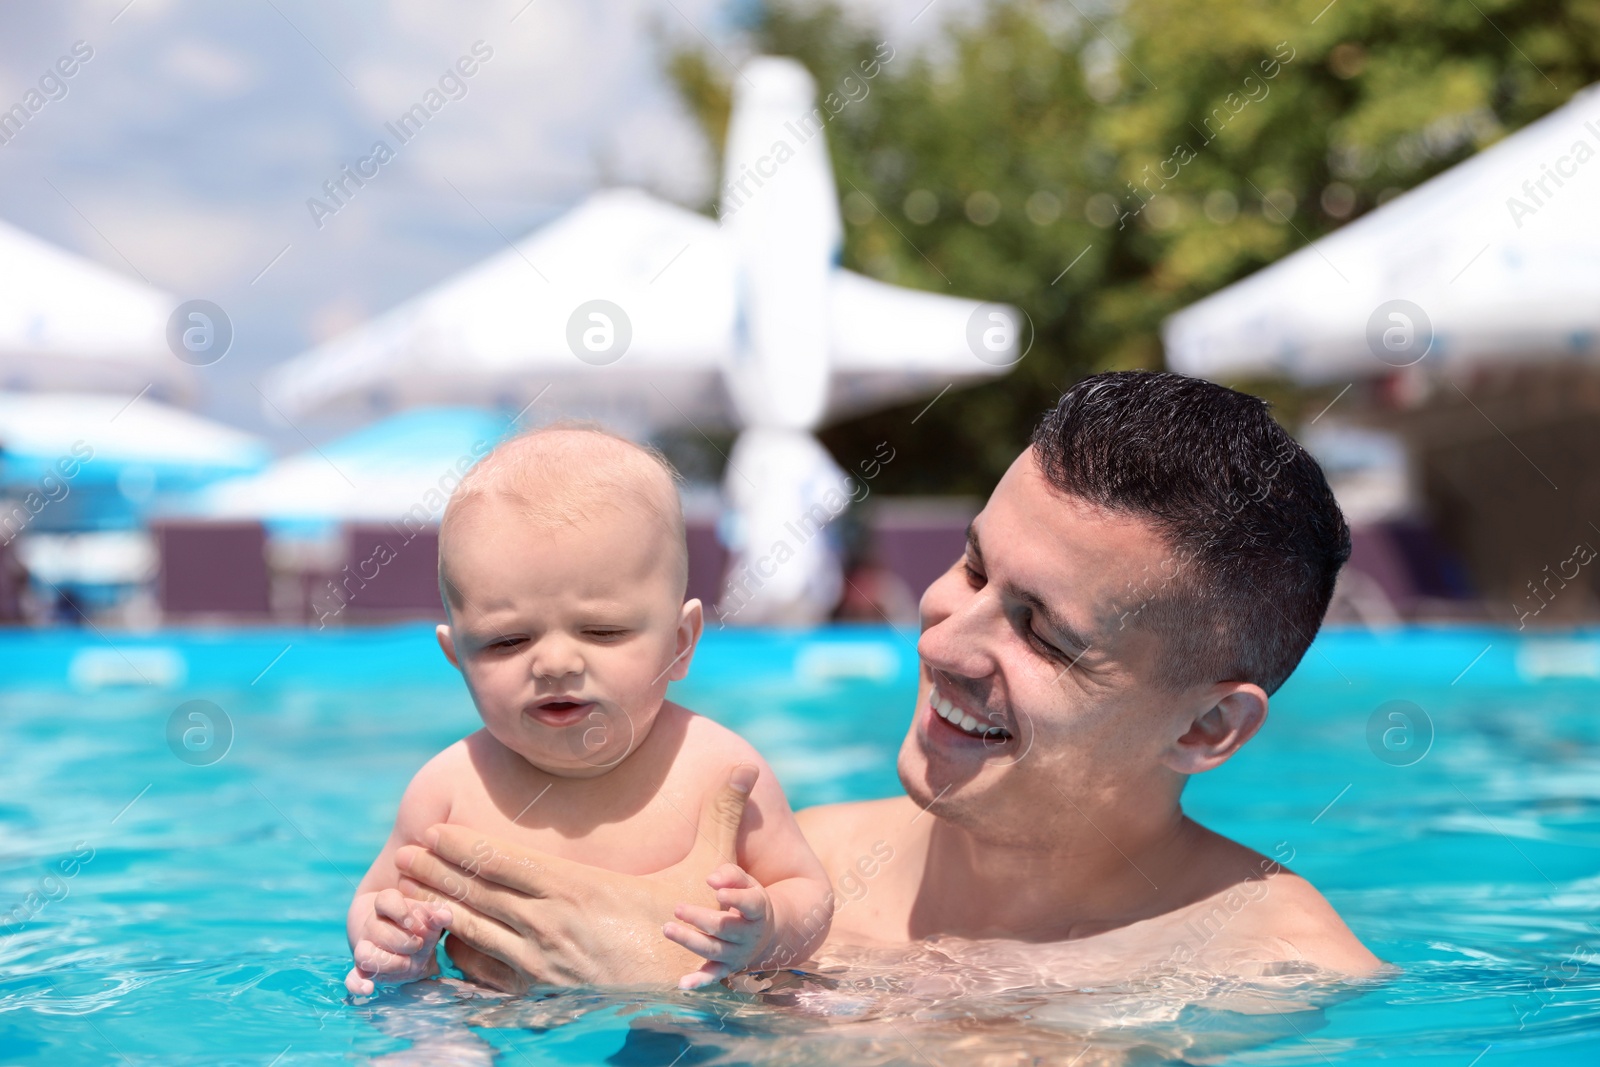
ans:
x=557 y=658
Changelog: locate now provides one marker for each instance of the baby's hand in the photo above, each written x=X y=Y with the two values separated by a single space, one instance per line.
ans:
x=397 y=941
x=731 y=939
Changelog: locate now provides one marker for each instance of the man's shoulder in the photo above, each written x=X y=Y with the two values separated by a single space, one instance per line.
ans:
x=854 y=814
x=840 y=828
x=1269 y=908
x=1294 y=911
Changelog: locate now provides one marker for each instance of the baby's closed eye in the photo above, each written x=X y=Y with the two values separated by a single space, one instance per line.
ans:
x=506 y=643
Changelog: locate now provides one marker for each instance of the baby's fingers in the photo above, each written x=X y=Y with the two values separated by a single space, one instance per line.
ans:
x=359 y=982
x=751 y=904
x=397 y=908
x=700 y=944
x=708 y=975
x=389 y=937
x=726 y=925
x=731 y=876
x=377 y=961
x=738 y=890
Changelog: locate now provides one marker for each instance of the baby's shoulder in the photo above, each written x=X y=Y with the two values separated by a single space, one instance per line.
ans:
x=451 y=761
x=707 y=742
x=438 y=781
x=708 y=753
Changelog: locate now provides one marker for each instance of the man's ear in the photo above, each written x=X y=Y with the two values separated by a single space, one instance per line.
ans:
x=1232 y=714
x=447 y=645
x=691 y=624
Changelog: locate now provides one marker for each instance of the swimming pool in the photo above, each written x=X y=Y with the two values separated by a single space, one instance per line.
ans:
x=167 y=910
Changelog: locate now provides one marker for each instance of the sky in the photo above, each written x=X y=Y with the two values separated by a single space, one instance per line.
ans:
x=185 y=149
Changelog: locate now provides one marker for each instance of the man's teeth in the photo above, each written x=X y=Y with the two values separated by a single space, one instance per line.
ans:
x=960 y=719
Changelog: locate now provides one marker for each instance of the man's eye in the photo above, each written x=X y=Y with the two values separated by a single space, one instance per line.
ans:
x=1044 y=647
x=974 y=575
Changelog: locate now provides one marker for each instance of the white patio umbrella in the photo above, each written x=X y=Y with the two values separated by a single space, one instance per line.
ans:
x=398 y=469
x=1501 y=254
x=70 y=324
x=105 y=437
x=648 y=316
x=499 y=333
x=80 y=472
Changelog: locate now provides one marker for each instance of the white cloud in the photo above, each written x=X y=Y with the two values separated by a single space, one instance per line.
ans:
x=181 y=246
x=204 y=65
x=198 y=131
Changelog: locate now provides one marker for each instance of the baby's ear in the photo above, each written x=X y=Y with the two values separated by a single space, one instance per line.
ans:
x=691 y=623
x=447 y=645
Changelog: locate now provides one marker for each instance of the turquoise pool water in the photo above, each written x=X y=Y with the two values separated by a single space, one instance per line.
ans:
x=157 y=910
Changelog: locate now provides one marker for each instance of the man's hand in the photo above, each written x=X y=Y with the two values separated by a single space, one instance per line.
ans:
x=523 y=917
x=729 y=940
x=396 y=941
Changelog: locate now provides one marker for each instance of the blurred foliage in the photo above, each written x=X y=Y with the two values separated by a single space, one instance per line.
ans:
x=1161 y=148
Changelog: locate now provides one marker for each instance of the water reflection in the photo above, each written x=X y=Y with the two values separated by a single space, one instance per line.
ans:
x=941 y=1002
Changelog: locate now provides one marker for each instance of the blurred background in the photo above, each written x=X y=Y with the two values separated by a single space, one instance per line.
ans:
x=272 y=276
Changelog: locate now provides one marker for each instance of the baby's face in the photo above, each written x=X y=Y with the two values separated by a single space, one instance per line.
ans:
x=567 y=638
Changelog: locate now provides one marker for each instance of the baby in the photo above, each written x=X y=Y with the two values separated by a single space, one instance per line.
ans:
x=562 y=564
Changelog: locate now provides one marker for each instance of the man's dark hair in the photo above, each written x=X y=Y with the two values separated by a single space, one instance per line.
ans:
x=1255 y=537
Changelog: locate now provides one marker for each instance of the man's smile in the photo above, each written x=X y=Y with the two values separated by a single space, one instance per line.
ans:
x=963 y=720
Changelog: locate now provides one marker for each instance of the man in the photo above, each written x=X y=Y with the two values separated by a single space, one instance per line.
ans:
x=1144 y=576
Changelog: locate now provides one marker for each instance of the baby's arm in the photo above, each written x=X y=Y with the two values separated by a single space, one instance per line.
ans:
x=777 y=902
x=392 y=936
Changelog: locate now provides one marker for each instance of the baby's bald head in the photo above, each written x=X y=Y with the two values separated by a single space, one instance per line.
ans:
x=570 y=475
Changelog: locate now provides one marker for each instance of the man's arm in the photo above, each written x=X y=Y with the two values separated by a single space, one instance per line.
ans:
x=776 y=902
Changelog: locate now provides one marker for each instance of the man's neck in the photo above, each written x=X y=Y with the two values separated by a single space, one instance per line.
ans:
x=1106 y=875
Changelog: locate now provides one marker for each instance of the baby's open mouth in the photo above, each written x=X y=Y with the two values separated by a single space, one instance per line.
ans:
x=560 y=711
x=964 y=721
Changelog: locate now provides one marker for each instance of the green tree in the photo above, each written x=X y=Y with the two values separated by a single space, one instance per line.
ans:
x=1160 y=149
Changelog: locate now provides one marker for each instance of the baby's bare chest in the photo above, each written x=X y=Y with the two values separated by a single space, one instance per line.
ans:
x=629 y=835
